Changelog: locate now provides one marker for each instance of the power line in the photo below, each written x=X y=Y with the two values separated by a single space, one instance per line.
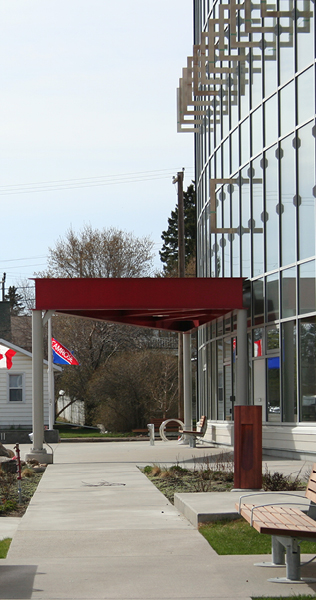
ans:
x=68 y=184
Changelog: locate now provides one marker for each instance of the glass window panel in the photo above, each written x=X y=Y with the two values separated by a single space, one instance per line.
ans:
x=257 y=210
x=271 y=120
x=286 y=45
x=219 y=327
x=305 y=35
x=308 y=368
x=256 y=131
x=213 y=382
x=246 y=215
x=258 y=301
x=272 y=217
x=289 y=373
x=243 y=82
x=288 y=278
x=228 y=392
x=272 y=291
x=287 y=108
x=273 y=389
x=245 y=141
x=256 y=72
x=270 y=63
x=220 y=383
x=273 y=338
x=307 y=287
x=227 y=349
x=226 y=158
x=305 y=96
x=235 y=150
x=288 y=209
x=258 y=342
x=306 y=200
x=235 y=236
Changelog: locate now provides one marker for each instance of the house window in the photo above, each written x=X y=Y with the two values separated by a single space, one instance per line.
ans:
x=16 y=388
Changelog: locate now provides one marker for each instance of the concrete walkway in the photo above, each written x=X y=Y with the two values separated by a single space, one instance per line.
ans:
x=98 y=529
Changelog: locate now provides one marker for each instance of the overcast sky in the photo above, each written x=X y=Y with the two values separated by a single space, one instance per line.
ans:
x=88 y=120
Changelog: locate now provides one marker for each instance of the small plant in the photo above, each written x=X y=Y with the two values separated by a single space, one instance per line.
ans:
x=148 y=469
x=276 y=482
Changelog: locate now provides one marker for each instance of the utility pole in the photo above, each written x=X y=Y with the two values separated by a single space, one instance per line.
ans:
x=181 y=273
x=3 y=282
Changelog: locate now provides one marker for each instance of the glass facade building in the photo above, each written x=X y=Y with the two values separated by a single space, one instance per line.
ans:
x=248 y=94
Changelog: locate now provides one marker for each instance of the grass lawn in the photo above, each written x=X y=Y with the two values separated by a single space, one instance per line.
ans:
x=70 y=431
x=4 y=547
x=237 y=537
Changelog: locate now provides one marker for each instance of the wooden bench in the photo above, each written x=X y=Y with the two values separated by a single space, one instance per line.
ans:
x=172 y=428
x=287 y=525
x=198 y=433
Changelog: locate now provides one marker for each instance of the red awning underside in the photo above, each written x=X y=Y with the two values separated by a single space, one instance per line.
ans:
x=159 y=303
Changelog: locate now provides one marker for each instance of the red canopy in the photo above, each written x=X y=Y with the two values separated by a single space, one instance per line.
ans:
x=161 y=303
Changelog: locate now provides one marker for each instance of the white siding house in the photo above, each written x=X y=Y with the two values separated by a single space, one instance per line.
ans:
x=16 y=390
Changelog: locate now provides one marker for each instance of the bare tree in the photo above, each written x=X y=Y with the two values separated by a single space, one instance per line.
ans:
x=100 y=253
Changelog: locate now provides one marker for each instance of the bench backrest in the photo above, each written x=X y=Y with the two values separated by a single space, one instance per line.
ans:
x=202 y=424
x=310 y=492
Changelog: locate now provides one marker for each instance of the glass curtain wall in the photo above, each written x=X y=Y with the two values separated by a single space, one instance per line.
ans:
x=256 y=190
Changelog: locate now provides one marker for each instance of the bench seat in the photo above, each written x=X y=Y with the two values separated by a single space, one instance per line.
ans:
x=287 y=525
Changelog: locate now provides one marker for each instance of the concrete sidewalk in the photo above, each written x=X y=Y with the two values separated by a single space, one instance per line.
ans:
x=97 y=528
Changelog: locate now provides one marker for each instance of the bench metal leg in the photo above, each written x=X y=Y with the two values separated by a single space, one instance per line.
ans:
x=278 y=551
x=192 y=441
x=293 y=562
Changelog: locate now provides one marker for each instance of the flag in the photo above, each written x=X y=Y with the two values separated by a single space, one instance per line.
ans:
x=6 y=355
x=61 y=355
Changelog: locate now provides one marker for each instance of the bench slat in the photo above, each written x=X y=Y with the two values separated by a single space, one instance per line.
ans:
x=287 y=521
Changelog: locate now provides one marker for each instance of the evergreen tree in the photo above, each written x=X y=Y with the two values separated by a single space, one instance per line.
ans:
x=15 y=299
x=169 y=251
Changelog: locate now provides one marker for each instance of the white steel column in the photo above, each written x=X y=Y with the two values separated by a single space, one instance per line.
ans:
x=51 y=394
x=37 y=451
x=242 y=359
x=187 y=381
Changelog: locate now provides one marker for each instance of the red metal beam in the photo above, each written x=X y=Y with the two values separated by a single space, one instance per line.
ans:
x=160 y=303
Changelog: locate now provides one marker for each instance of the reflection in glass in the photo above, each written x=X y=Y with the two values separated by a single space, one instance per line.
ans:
x=228 y=392
x=258 y=342
x=273 y=341
x=287 y=108
x=308 y=368
x=272 y=291
x=289 y=376
x=305 y=96
x=288 y=279
x=258 y=301
x=272 y=200
x=273 y=389
x=306 y=200
x=288 y=209
x=307 y=283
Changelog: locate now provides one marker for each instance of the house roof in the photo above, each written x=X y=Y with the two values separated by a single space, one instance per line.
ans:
x=180 y=304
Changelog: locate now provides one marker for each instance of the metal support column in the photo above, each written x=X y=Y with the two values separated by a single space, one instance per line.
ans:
x=187 y=383
x=37 y=451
